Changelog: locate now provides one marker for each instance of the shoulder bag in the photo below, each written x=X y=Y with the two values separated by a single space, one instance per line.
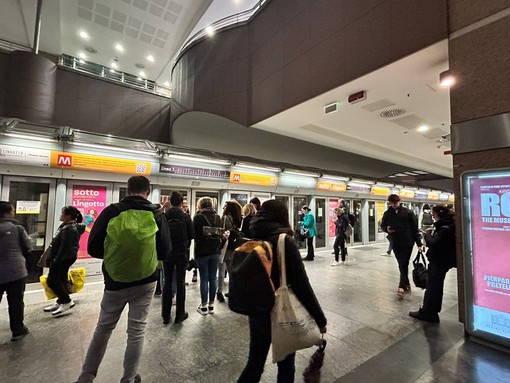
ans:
x=420 y=272
x=292 y=326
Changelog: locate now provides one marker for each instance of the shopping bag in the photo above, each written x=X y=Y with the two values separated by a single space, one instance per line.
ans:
x=292 y=326
x=76 y=280
x=43 y=259
x=420 y=272
x=47 y=291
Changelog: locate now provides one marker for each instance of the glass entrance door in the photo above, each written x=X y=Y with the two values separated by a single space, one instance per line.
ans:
x=34 y=203
x=296 y=217
x=321 y=219
x=356 y=210
x=372 y=224
x=199 y=194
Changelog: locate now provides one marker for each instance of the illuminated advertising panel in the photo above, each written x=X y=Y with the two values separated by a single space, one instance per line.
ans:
x=253 y=179
x=333 y=204
x=331 y=186
x=486 y=232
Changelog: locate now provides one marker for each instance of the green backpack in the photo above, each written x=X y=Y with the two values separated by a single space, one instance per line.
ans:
x=130 y=245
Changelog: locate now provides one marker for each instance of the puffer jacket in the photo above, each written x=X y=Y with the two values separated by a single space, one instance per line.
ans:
x=14 y=241
x=265 y=228
x=441 y=243
x=65 y=244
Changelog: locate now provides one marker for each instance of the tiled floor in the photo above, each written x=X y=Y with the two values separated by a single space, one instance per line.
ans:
x=370 y=336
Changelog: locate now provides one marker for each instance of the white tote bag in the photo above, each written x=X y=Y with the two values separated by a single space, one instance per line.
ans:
x=292 y=327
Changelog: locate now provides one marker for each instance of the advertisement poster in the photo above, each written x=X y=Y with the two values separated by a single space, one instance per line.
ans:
x=490 y=234
x=90 y=200
x=28 y=207
x=333 y=204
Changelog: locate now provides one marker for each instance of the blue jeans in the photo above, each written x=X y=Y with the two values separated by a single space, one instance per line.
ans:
x=139 y=299
x=208 y=269
x=260 y=340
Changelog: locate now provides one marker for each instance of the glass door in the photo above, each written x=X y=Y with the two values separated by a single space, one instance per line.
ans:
x=372 y=223
x=321 y=219
x=166 y=193
x=34 y=203
x=241 y=197
x=356 y=210
x=285 y=199
x=297 y=217
x=214 y=195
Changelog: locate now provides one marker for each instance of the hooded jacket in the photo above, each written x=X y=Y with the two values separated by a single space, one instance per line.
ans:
x=65 y=244
x=206 y=245
x=441 y=243
x=265 y=228
x=98 y=233
x=180 y=250
x=14 y=242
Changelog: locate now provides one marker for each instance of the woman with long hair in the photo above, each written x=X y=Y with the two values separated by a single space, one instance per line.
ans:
x=249 y=211
x=14 y=245
x=231 y=220
x=441 y=255
x=64 y=252
x=270 y=221
x=339 y=247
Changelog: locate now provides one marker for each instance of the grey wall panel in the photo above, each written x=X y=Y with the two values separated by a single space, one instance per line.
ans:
x=4 y=73
x=194 y=129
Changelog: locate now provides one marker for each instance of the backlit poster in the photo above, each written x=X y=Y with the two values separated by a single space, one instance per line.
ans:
x=90 y=200
x=486 y=237
x=333 y=204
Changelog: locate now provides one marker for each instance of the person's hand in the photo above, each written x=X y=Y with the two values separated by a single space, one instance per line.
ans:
x=421 y=248
x=323 y=330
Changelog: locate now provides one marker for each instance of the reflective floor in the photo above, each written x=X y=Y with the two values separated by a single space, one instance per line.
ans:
x=370 y=336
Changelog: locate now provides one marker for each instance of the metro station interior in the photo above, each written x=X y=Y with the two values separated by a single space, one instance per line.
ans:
x=306 y=102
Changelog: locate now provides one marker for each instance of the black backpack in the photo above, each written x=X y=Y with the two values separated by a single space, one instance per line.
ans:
x=178 y=232
x=251 y=290
x=352 y=219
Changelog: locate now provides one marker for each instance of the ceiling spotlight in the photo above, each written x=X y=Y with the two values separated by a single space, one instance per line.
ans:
x=150 y=58
x=446 y=79
x=423 y=128
x=82 y=55
x=141 y=74
x=81 y=61
x=112 y=70
x=209 y=30
x=114 y=65
x=167 y=84
x=119 y=47
x=139 y=78
x=84 y=35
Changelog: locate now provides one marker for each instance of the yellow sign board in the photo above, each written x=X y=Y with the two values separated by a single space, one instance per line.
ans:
x=406 y=193
x=78 y=161
x=253 y=179
x=451 y=198
x=433 y=196
x=331 y=186
x=377 y=190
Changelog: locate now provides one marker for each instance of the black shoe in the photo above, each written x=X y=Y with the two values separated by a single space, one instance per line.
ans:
x=220 y=297
x=422 y=315
x=20 y=334
x=138 y=378
x=227 y=295
x=180 y=318
x=166 y=320
x=307 y=259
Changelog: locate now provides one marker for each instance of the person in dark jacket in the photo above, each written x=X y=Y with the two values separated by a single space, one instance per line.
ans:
x=64 y=252
x=271 y=220
x=208 y=239
x=14 y=245
x=117 y=294
x=181 y=231
x=341 y=224
x=441 y=255
x=402 y=227
x=249 y=211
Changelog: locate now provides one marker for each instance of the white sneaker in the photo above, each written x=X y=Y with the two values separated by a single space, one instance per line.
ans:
x=335 y=263
x=202 y=309
x=51 y=308
x=63 y=308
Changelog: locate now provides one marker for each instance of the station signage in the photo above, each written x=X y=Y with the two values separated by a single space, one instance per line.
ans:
x=79 y=161
x=331 y=186
x=405 y=193
x=433 y=196
x=420 y=195
x=24 y=156
x=253 y=179
x=194 y=172
x=380 y=191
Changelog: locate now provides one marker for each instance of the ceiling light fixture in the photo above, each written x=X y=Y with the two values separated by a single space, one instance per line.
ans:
x=112 y=70
x=150 y=58
x=114 y=65
x=84 y=35
x=335 y=178
x=115 y=149
x=185 y=158
x=446 y=79
x=119 y=47
x=82 y=55
x=301 y=173
x=141 y=74
x=255 y=167
x=209 y=30
x=423 y=128
x=81 y=61
x=166 y=83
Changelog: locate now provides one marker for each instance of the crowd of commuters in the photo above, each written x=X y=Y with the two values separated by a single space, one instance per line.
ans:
x=133 y=255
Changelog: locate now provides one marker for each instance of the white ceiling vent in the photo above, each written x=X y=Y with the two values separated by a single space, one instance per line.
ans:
x=392 y=113
x=384 y=103
x=409 y=122
x=331 y=108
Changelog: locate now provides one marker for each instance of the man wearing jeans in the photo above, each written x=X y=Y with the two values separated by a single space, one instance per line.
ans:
x=131 y=236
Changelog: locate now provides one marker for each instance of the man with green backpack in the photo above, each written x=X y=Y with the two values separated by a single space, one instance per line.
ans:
x=131 y=237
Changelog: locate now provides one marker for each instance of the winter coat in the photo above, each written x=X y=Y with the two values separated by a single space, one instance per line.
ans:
x=264 y=228
x=14 y=243
x=65 y=244
x=206 y=245
x=341 y=224
x=309 y=223
x=245 y=226
x=180 y=249
x=405 y=224
x=95 y=246
x=441 y=243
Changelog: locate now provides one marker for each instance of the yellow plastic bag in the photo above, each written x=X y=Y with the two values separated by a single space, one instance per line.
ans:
x=76 y=279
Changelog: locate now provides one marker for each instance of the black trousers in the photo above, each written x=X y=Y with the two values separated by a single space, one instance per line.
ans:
x=166 y=298
x=309 y=246
x=339 y=247
x=58 y=281
x=15 y=291
x=433 y=298
x=403 y=256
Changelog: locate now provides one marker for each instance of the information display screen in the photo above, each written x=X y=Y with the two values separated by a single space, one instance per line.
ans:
x=486 y=239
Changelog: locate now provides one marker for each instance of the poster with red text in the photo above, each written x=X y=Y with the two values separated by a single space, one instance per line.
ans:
x=90 y=200
x=490 y=236
x=333 y=204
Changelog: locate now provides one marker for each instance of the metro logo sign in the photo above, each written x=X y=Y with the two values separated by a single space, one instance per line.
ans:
x=236 y=177
x=64 y=160
x=253 y=179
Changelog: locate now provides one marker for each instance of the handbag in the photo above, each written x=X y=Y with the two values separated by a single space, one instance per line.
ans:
x=43 y=259
x=305 y=233
x=292 y=326
x=420 y=272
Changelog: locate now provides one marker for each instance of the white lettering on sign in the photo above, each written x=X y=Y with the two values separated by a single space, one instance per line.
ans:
x=86 y=192
x=494 y=205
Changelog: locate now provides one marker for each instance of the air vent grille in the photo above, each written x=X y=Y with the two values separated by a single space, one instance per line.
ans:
x=392 y=113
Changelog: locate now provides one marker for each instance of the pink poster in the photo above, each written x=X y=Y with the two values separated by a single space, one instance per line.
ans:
x=490 y=234
x=333 y=204
x=90 y=200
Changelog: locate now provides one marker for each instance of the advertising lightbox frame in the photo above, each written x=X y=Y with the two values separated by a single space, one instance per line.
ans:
x=486 y=283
